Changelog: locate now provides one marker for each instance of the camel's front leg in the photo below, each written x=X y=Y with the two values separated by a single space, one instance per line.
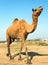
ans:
x=28 y=60
x=9 y=54
x=20 y=52
x=8 y=48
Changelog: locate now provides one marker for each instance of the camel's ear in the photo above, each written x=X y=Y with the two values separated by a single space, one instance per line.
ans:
x=32 y=9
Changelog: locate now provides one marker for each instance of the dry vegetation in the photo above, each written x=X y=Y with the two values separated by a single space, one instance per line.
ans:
x=37 y=50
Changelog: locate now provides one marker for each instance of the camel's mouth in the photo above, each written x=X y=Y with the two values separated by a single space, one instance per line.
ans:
x=41 y=8
x=40 y=11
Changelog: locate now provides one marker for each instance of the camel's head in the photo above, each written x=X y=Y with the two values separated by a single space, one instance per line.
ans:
x=37 y=11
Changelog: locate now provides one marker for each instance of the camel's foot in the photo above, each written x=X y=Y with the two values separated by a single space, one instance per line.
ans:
x=19 y=58
x=28 y=61
x=11 y=58
x=7 y=54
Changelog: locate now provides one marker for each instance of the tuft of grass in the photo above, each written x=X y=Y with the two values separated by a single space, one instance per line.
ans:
x=37 y=42
x=2 y=41
x=43 y=44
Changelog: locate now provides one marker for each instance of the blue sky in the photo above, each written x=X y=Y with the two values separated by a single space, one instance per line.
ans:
x=22 y=9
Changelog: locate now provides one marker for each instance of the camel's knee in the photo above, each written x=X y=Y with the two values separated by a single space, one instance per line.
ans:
x=7 y=54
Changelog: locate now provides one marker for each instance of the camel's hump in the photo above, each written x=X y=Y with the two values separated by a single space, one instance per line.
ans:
x=16 y=19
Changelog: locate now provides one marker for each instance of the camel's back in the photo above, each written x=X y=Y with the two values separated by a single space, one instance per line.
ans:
x=15 y=21
x=17 y=29
x=19 y=24
x=23 y=24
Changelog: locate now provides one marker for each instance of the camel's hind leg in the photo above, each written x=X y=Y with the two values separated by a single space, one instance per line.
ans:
x=20 y=53
x=8 y=47
x=24 y=45
x=27 y=56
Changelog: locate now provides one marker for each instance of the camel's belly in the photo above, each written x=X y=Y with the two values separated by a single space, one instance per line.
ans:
x=16 y=35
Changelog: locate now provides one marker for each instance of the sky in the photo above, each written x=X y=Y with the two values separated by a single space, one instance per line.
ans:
x=22 y=9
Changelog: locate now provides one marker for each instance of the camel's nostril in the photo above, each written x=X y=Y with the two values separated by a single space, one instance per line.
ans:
x=42 y=9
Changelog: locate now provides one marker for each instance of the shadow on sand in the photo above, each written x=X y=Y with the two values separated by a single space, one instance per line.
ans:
x=31 y=54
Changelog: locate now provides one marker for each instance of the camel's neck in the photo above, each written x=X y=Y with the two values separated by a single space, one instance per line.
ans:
x=31 y=28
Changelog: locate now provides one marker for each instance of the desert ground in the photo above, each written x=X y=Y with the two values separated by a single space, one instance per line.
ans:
x=37 y=50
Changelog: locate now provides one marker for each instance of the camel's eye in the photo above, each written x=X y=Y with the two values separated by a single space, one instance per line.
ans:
x=35 y=9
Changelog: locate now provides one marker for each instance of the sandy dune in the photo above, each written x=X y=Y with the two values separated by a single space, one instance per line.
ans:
x=37 y=54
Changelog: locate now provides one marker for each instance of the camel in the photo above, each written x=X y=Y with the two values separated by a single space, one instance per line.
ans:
x=19 y=29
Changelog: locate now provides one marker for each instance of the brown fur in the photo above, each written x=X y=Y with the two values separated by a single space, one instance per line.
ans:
x=20 y=29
